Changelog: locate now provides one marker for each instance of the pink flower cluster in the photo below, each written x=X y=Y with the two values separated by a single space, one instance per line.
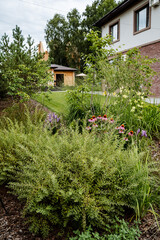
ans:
x=121 y=131
x=93 y=119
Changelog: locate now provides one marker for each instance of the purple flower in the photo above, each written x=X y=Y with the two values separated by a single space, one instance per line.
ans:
x=50 y=117
x=144 y=133
x=58 y=119
x=138 y=131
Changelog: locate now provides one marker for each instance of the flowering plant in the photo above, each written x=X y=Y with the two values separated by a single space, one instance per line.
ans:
x=102 y=124
x=52 y=122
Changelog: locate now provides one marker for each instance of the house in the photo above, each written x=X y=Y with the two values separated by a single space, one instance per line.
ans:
x=136 y=23
x=61 y=75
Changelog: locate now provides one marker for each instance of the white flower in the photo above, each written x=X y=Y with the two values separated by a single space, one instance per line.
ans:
x=125 y=96
x=133 y=109
x=138 y=93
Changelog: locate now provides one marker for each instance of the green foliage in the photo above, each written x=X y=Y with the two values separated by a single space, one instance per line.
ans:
x=80 y=105
x=18 y=125
x=96 y=11
x=21 y=111
x=120 y=231
x=132 y=72
x=128 y=78
x=22 y=71
x=151 y=119
x=71 y=179
x=55 y=35
x=66 y=38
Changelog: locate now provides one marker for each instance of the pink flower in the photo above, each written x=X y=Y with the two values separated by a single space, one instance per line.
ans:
x=104 y=118
x=88 y=128
x=130 y=133
x=121 y=131
x=111 y=120
x=126 y=139
x=92 y=120
x=99 y=117
x=117 y=128
x=122 y=127
x=94 y=125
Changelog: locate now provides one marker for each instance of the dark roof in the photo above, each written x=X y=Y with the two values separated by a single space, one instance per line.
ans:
x=116 y=11
x=62 y=68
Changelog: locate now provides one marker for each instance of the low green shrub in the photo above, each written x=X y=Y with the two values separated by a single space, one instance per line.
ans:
x=72 y=179
x=120 y=231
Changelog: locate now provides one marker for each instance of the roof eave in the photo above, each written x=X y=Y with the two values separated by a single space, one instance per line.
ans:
x=115 y=12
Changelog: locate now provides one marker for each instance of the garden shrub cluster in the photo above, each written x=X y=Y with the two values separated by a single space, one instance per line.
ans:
x=72 y=179
x=84 y=173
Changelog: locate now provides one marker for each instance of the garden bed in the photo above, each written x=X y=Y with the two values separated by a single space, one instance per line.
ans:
x=13 y=226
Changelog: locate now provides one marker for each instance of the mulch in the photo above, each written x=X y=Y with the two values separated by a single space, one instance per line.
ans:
x=13 y=225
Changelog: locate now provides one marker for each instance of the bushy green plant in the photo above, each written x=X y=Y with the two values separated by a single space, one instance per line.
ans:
x=80 y=104
x=71 y=179
x=14 y=136
x=127 y=77
x=120 y=231
x=151 y=119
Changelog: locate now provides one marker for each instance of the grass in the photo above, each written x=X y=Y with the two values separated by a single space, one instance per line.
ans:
x=55 y=101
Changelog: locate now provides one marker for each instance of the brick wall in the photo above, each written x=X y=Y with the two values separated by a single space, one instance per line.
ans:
x=153 y=51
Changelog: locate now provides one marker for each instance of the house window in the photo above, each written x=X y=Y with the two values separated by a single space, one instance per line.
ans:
x=142 y=19
x=114 y=31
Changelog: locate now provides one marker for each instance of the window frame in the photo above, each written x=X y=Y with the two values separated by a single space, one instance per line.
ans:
x=117 y=22
x=145 y=5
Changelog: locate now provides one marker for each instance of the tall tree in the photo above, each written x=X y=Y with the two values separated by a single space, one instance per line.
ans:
x=55 y=36
x=97 y=10
x=66 y=39
x=22 y=71
x=74 y=38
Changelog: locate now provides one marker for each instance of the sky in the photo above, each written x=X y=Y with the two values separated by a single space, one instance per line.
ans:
x=32 y=15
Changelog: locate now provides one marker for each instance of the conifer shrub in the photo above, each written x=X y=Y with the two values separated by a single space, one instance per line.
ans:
x=72 y=179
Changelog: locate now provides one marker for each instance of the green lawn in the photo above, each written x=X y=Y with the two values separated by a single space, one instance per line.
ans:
x=55 y=101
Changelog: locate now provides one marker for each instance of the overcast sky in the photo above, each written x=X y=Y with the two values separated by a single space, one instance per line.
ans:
x=32 y=15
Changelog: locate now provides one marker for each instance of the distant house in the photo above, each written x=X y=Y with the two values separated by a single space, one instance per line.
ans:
x=136 y=23
x=62 y=75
